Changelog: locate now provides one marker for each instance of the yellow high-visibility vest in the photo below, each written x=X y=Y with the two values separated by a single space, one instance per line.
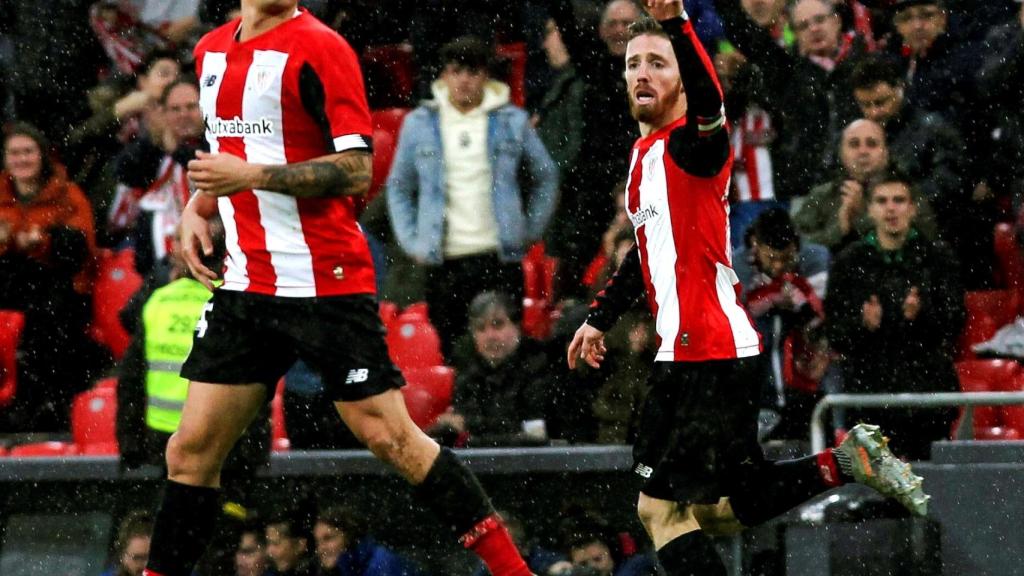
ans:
x=169 y=318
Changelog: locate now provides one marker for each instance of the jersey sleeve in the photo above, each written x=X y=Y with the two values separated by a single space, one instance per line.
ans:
x=333 y=91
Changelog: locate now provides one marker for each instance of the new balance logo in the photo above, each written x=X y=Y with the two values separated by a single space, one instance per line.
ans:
x=357 y=375
x=644 y=471
x=210 y=80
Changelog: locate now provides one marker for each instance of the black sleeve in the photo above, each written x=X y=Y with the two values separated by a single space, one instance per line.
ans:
x=701 y=147
x=131 y=401
x=137 y=164
x=311 y=92
x=619 y=294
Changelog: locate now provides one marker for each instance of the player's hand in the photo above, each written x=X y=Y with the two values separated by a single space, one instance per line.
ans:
x=195 y=236
x=221 y=174
x=871 y=313
x=664 y=9
x=588 y=344
x=912 y=304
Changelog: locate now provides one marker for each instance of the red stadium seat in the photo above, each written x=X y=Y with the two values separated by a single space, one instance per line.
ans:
x=11 y=325
x=413 y=341
x=94 y=421
x=106 y=383
x=538 y=273
x=1009 y=258
x=278 y=426
x=996 y=375
x=386 y=125
x=3 y=451
x=388 y=313
x=43 y=449
x=393 y=64
x=116 y=282
x=987 y=312
x=537 y=318
x=514 y=54
x=428 y=393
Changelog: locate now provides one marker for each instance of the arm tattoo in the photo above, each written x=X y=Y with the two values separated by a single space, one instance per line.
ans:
x=344 y=174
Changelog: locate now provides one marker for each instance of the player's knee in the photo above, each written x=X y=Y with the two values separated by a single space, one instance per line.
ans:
x=384 y=441
x=189 y=456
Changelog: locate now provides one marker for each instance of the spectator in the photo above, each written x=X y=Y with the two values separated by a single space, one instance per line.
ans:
x=895 y=309
x=607 y=133
x=153 y=187
x=345 y=548
x=47 y=248
x=835 y=213
x=784 y=281
x=559 y=119
x=150 y=392
x=539 y=559
x=807 y=89
x=596 y=549
x=928 y=151
x=1001 y=81
x=454 y=196
x=251 y=555
x=938 y=70
x=500 y=391
x=132 y=545
x=288 y=544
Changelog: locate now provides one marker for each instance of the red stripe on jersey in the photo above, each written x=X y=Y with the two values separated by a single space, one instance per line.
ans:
x=749 y=152
x=252 y=238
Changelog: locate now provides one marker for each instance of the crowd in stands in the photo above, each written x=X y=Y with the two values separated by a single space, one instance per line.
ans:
x=877 y=197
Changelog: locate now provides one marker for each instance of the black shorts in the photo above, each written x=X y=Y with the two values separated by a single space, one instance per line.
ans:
x=245 y=338
x=697 y=435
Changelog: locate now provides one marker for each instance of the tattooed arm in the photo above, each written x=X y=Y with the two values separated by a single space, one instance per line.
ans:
x=346 y=173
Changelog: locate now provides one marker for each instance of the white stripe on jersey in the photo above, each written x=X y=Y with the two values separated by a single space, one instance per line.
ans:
x=747 y=341
x=661 y=248
x=214 y=65
x=279 y=213
x=348 y=142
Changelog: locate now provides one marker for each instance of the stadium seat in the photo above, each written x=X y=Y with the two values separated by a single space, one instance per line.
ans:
x=987 y=312
x=116 y=282
x=393 y=65
x=514 y=54
x=1009 y=258
x=278 y=427
x=106 y=383
x=538 y=273
x=537 y=318
x=428 y=393
x=94 y=421
x=3 y=451
x=50 y=449
x=992 y=375
x=413 y=341
x=386 y=125
x=11 y=325
x=388 y=313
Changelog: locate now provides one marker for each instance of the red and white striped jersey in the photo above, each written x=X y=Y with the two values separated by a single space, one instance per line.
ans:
x=753 y=174
x=682 y=232
x=288 y=95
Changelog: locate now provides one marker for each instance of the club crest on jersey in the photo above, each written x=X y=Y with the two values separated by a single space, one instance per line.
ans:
x=260 y=79
x=641 y=216
x=238 y=127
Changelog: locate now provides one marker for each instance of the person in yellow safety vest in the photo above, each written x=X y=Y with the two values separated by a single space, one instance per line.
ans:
x=151 y=394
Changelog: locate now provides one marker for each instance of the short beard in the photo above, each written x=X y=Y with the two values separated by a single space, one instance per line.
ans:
x=648 y=115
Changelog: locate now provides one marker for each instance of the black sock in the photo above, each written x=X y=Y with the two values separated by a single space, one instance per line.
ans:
x=183 y=528
x=692 y=554
x=453 y=494
x=776 y=487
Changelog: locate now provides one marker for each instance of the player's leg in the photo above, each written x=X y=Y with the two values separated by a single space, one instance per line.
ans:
x=347 y=347
x=213 y=418
x=683 y=548
x=441 y=482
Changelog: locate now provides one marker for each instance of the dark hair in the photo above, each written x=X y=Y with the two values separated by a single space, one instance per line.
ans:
x=646 y=25
x=468 y=51
x=874 y=70
x=136 y=524
x=483 y=302
x=345 y=519
x=25 y=129
x=152 y=57
x=890 y=176
x=185 y=79
x=294 y=522
x=774 y=228
x=581 y=527
x=255 y=527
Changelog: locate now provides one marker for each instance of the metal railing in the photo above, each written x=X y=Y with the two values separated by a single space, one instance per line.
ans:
x=967 y=400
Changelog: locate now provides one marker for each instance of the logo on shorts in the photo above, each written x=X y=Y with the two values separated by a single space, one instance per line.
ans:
x=357 y=375
x=644 y=471
x=202 y=324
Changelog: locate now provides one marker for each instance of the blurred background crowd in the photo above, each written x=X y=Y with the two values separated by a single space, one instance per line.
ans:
x=876 y=206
